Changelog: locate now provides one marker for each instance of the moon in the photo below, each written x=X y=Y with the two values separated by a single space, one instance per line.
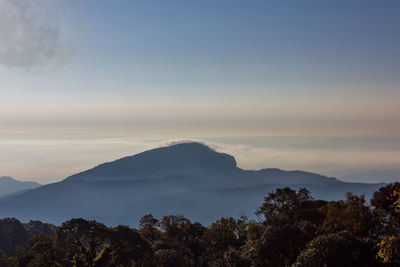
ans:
x=40 y=36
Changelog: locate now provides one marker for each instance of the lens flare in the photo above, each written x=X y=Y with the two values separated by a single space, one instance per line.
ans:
x=40 y=36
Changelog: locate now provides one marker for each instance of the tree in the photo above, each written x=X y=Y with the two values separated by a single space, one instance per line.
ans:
x=310 y=211
x=40 y=250
x=389 y=247
x=352 y=215
x=386 y=203
x=82 y=241
x=297 y=231
x=12 y=234
x=224 y=237
x=127 y=248
x=85 y=243
x=281 y=206
x=389 y=250
x=38 y=227
x=278 y=246
x=148 y=228
x=180 y=238
x=339 y=249
x=179 y=230
x=386 y=197
x=3 y=259
x=227 y=232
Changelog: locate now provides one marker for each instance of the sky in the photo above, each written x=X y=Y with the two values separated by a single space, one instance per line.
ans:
x=311 y=85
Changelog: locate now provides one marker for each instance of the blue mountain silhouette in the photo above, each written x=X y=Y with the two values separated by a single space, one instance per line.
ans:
x=184 y=158
x=188 y=178
x=10 y=186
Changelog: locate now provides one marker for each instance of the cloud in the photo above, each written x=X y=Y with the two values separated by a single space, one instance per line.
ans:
x=53 y=158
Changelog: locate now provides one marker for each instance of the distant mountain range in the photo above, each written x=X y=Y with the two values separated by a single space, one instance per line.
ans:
x=187 y=178
x=371 y=176
x=10 y=186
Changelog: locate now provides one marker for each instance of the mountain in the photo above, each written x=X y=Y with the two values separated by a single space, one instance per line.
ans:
x=188 y=178
x=371 y=176
x=10 y=186
x=187 y=158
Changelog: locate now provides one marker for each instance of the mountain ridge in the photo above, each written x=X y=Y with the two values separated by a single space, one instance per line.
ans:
x=371 y=175
x=190 y=179
x=9 y=185
x=193 y=156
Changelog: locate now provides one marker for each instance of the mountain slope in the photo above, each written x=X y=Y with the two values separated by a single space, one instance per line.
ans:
x=10 y=186
x=189 y=178
x=370 y=176
x=193 y=158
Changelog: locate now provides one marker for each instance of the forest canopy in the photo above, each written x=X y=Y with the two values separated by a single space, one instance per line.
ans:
x=293 y=229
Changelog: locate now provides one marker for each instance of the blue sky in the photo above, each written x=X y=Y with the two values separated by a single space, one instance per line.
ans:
x=256 y=44
x=283 y=79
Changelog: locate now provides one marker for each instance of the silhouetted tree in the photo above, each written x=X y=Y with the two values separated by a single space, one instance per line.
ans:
x=38 y=227
x=310 y=211
x=82 y=241
x=297 y=231
x=352 y=215
x=12 y=234
x=40 y=251
x=339 y=249
x=281 y=206
x=148 y=227
x=125 y=248
x=278 y=246
x=385 y=203
x=224 y=237
x=182 y=238
x=4 y=261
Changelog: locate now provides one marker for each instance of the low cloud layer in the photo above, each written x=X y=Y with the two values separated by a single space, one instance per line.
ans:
x=52 y=159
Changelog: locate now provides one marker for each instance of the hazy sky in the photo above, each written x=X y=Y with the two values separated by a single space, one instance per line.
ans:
x=312 y=85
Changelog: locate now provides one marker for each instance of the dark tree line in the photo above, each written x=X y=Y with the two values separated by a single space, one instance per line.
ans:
x=294 y=230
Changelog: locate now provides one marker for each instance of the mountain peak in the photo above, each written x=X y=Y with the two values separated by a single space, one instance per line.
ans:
x=184 y=178
x=7 y=178
x=9 y=185
x=182 y=158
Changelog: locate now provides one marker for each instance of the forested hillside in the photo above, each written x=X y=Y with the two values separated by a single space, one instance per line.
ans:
x=293 y=229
